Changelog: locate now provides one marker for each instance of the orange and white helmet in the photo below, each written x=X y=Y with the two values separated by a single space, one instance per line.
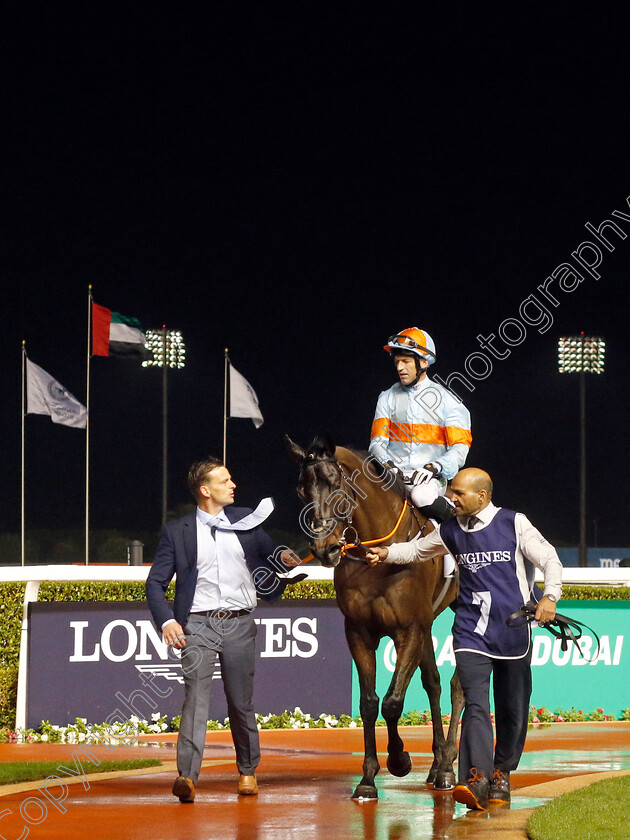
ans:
x=414 y=341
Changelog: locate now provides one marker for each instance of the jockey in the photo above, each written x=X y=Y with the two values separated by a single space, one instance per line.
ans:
x=420 y=428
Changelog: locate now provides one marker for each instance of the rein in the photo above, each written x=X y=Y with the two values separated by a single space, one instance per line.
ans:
x=345 y=548
x=562 y=627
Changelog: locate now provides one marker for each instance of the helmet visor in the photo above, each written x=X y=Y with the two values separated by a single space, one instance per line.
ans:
x=406 y=341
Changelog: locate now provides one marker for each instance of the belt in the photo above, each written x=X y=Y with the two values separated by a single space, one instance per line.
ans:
x=222 y=613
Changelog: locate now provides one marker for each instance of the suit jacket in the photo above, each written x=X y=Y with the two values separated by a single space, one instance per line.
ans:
x=177 y=555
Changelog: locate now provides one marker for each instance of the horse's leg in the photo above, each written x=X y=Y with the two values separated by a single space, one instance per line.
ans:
x=408 y=645
x=441 y=775
x=457 y=705
x=363 y=651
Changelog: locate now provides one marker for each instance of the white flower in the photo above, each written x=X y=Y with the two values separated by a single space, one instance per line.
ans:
x=44 y=737
x=352 y=724
x=156 y=716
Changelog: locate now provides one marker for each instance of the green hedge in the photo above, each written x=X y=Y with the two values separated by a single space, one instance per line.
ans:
x=12 y=598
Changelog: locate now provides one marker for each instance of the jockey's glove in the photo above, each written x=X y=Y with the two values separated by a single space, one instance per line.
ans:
x=422 y=476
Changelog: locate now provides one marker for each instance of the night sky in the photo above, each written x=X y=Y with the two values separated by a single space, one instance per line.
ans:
x=297 y=185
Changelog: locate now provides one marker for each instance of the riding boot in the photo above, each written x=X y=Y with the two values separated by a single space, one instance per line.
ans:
x=440 y=509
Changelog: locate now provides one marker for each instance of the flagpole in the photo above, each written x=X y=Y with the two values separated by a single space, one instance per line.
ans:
x=87 y=430
x=225 y=391
x=22 y=509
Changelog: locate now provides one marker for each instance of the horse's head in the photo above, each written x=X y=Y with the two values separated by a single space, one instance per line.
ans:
x=326 y=513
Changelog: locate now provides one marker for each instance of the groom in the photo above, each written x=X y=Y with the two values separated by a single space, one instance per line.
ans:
x=223 y=559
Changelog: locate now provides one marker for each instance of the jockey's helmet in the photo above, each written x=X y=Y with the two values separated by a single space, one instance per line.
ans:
x=412 y=341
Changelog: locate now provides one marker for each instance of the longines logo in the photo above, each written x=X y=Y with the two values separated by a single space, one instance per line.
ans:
x=121 y=640
x=476 y=560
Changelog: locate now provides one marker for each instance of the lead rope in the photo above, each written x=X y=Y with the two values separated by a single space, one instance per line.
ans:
x=562 y=627
x=344 y=548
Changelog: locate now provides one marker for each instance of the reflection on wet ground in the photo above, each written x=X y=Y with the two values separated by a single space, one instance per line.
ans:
x=306 y=780
x=572 y=762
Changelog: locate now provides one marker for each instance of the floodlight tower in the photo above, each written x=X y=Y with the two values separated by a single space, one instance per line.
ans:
x=582 y=354
x=167 y=347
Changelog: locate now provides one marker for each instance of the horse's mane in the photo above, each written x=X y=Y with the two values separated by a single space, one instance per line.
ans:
x=375 y=465
x=323 y=446
x=379 y=472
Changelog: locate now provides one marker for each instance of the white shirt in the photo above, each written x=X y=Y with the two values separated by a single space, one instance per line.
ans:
x=530 y=544
x=223 y=579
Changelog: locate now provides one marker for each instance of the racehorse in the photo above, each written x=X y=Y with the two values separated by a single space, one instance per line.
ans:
x=349 y=502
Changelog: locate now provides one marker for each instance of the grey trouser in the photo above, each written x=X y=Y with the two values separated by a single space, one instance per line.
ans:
x=233 y=640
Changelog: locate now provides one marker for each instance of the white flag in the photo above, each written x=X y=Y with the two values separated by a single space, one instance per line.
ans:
x=243 y=399
x=47 y=396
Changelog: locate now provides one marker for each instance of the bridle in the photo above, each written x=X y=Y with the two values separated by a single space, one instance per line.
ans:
x=322 y=525
x=350 y=538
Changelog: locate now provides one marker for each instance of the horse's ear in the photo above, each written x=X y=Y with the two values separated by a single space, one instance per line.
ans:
x=324 y=444
x=296 y=452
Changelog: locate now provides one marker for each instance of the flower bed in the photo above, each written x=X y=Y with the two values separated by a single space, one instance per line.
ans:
x=127 y=732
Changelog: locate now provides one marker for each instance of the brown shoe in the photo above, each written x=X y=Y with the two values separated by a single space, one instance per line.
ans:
x=474 y=794
x=247 y=785
x=184 y=788
x=499 y=792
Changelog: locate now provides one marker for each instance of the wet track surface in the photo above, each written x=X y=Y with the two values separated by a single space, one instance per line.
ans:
x=306 y=780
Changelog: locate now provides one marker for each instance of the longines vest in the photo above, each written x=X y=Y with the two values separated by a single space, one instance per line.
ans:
x=489 y=590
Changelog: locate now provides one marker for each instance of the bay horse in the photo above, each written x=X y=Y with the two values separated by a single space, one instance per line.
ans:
x=349 y=501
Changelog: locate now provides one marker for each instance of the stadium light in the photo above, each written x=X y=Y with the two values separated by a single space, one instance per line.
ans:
x=169 y=351
x=582 y=354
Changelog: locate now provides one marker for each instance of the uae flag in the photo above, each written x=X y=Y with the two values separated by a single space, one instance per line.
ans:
x=117 y=335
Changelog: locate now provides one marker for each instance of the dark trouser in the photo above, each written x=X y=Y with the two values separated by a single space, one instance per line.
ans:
x=233 y=640
x=512 y=688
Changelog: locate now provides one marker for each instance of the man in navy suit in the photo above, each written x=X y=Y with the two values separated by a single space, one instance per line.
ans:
x=223 y=559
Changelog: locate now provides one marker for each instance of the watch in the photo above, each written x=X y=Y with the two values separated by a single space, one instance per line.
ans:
x=551 y=598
